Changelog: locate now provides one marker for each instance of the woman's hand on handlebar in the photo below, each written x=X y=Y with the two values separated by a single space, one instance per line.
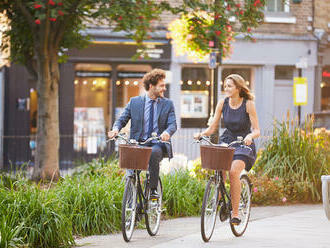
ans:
x=197 y=136
x=248 y=140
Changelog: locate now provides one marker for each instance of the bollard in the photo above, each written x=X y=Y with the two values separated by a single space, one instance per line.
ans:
x=326 y=194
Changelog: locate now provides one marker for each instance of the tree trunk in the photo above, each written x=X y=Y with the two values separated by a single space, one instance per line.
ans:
x=47 y=150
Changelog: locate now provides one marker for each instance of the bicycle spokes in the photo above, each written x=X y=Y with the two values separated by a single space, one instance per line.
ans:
x=244 y=207
x=129 y=209
x=209 y=210
x=153 y=211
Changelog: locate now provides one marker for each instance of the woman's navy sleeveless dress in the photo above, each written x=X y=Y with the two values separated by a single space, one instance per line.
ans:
x=237 y=123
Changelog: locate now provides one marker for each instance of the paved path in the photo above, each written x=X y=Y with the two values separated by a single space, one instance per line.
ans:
x=283 y=226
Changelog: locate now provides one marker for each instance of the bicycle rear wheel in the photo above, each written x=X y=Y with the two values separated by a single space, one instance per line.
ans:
x=154 y=210
x=209 y=209
x=244 y=207
x=128 y=212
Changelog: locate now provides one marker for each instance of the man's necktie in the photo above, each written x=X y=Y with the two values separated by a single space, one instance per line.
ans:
x=151 y=118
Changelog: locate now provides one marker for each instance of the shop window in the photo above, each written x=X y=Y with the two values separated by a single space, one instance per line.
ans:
x=195 y=101
x=284 y=72
x=92 y=107
x=129 y=84
x=325 y=89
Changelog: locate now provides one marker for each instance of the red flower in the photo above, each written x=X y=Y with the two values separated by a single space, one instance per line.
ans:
x=120 y=18
x=52 y=19
x=218 y=32
x=228 y=7
x=60 y=4
x=229 y=28
x=238 y=5
x=37 y=6
x=241 y=12
x=37 y=21
x=60 y=12
x=51 y=2
x=249 y=29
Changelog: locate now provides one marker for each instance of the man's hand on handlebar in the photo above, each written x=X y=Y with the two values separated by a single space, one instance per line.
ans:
x=113 y=133
x=165 y=136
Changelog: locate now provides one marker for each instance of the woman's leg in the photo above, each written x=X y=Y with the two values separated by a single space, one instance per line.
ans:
x=235 y=185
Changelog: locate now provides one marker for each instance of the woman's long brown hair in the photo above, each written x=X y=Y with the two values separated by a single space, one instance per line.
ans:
x=239 y=82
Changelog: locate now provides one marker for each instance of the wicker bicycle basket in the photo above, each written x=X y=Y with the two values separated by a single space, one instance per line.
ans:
x=134 y=157
x=216 y=157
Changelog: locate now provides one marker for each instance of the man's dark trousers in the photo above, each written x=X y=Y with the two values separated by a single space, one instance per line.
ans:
x=157 y=154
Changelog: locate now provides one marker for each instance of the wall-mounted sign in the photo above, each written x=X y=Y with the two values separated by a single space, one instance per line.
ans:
x=325 y=74
x=93 y=74
x=130 y=74
x=152 y=51
x=300 y=91
x=213 y=60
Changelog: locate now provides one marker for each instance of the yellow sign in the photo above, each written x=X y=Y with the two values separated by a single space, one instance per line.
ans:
x=300 y=91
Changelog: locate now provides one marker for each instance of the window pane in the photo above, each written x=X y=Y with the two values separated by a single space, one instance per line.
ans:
x=284 y=72
x=270 y=5
x=275 y=6
x=280 y=6
x=195 y=92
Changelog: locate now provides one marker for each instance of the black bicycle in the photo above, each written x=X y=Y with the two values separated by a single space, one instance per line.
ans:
x=136 y=202
x=216 y=195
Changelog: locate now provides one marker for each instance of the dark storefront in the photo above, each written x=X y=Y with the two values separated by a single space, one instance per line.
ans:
x=95 y=85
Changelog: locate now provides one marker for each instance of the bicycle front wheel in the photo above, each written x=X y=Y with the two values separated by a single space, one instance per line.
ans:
x=128 y=212
x=244 y=207
x=154 y=211
x=209 y=210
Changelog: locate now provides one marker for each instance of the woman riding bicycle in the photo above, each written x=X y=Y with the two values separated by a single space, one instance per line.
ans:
x=240 y=119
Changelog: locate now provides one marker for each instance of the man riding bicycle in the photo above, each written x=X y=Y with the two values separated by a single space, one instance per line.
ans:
x=150 y=113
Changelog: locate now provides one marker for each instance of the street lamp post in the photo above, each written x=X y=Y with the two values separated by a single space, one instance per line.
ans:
x=215 y=62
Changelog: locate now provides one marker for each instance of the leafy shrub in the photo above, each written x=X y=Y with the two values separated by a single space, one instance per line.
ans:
x=298 y=156
x=183 y=194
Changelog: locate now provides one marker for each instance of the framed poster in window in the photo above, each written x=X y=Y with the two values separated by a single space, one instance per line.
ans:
x=194 y=104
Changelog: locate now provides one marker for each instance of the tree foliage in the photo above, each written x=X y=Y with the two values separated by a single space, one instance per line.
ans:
x=214 y=24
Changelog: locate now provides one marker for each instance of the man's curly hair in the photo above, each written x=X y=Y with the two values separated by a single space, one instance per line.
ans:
x=153 y=78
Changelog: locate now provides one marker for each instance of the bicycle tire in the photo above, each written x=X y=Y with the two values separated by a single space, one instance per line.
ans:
x=244 y=207
x=128 y=212
x=210 y=205
x=154 y=211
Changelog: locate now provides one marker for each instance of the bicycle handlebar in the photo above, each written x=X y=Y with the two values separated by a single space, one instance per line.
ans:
x=238 y=141
x=135 y=142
